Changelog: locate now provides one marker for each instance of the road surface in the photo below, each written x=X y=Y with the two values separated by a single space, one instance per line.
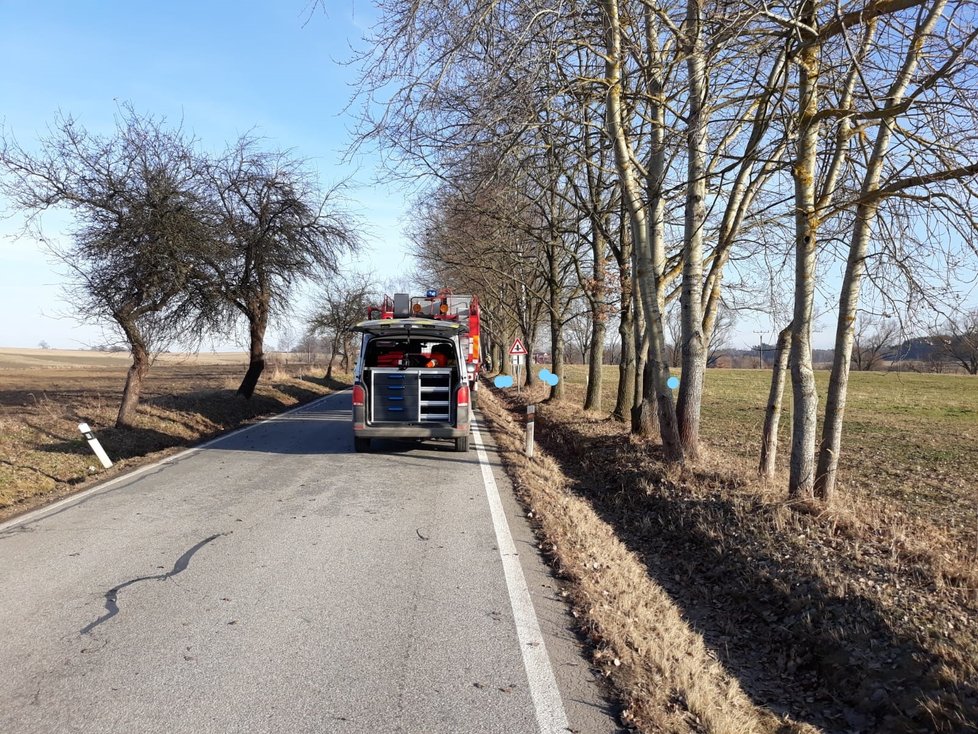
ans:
x=276 y=581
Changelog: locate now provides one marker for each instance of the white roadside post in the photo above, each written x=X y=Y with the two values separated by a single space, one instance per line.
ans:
x=96 y=446
x=530 y=416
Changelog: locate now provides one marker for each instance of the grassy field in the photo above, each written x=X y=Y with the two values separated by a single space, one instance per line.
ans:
x=910 y=440
x=714 y=604
x=45 y=394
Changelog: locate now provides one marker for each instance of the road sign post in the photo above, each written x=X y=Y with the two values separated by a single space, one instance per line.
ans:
x=517 y=370
x=518 y=352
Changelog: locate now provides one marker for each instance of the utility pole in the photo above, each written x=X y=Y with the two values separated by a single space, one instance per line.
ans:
x=760 y=349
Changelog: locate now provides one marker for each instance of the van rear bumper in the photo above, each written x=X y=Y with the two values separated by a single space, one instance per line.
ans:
x=411 y=431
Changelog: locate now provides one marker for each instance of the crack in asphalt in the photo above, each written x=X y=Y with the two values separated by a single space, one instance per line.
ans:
x=112 y=595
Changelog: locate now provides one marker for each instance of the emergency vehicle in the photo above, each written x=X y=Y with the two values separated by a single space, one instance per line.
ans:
x=418 y=368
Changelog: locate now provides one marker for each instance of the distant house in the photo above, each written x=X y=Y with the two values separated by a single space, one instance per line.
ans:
x=541 y=358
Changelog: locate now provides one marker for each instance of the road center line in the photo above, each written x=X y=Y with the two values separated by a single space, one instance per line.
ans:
x=551 y=717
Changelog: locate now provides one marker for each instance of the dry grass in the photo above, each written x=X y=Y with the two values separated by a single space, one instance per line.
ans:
x=668 y=678
x=845 y=620
x=44 y=394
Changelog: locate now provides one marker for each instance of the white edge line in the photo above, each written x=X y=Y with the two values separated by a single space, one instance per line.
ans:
x=41 y=512
x=551 y=717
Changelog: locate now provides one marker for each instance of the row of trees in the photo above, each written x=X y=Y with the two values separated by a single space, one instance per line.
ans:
x=168 y=243
x=629 y=154
x=953 y=345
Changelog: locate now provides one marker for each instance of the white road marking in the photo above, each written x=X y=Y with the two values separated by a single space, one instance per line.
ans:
x=551 y=717
x=41 y=512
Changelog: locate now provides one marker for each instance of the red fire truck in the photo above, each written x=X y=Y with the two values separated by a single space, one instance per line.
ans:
x=442 y=305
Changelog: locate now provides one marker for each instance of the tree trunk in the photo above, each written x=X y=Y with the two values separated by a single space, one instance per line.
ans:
x=641 y=337
x=647 y=236
x=556 y=345
x=640 y=334
x=345 y=352
x=645 y=418
x=332 y=358
x=801 y=480
x=645 y=422
x=501 y=359
x=831 y=443
x=828 y=455
x=772 y=416
x=693 y=345
x=595 y=374
x=256 y=364
x=529 y=379
x=624 y=400
x=126 y=417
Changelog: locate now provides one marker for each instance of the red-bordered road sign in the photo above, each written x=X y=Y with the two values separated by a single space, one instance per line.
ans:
x=518 y=347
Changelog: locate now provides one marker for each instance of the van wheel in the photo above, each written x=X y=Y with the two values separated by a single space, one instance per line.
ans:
x=361 y=445
x=462 y=444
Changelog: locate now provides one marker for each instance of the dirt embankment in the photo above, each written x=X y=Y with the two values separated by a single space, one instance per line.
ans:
x=716 y=606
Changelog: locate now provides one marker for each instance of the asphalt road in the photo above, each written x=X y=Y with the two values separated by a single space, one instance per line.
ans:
x=276 y=581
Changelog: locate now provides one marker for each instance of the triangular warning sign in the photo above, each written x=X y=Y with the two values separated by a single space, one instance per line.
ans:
x=518 y=347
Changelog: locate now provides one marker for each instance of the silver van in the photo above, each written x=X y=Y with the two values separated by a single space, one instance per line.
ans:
x=410 y=381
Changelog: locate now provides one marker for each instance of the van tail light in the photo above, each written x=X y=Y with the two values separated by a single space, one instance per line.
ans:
x=360 y=396
x=463 y=396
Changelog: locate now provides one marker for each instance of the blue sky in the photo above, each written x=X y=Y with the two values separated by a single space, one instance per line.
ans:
x=222 y=68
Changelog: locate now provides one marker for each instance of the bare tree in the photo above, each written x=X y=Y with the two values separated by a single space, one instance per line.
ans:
x=871 y=341
x=914 y=109
x=822 y=50
x=959 y=343
x=341 y=304
x=646 y=220
x=475 y=239
x=141 y=225
x=581 y=331
x=674 y=330
x=277 y=227
x=772 y=414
